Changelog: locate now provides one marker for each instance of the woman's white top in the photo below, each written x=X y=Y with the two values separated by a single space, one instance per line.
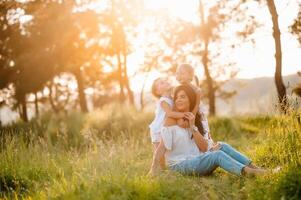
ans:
x=157 y=124
x=179 y=144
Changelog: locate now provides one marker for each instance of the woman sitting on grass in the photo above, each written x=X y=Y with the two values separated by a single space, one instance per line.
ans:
x=185 y=149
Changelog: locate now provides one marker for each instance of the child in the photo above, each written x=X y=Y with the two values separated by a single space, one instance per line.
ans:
x=185 y=75
x=162 y=89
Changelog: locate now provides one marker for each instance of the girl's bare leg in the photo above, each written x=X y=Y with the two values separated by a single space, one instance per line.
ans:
x=162 y=161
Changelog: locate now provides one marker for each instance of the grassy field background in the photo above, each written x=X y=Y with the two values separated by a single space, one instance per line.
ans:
x=107 y=153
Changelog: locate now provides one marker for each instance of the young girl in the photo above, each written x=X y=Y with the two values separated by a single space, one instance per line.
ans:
x=162 y=89
x=185 y=75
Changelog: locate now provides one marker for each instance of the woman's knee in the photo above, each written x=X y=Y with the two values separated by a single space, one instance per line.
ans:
x=218 y=156
x=223 y=145
x=218 y=153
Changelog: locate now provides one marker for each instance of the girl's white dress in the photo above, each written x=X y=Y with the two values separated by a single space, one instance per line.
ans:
x=157 y=123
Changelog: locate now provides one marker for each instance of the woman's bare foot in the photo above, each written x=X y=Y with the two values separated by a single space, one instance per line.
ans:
x=251 y=171
x=253 y=166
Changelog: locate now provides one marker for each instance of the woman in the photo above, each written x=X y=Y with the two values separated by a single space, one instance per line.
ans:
x=184 y=148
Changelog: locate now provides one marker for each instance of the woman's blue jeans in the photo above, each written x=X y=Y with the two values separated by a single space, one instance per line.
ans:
x=227 y=158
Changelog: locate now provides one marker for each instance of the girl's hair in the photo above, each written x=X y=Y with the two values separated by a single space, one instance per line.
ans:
x=197 y=81
x=191 y=94
x=154 y=89
x=186 y=67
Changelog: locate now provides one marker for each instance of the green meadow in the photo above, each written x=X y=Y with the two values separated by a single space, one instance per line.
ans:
x=106 y=154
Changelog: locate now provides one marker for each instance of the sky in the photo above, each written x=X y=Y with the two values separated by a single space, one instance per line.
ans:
x=259 y=60
x=252 y=60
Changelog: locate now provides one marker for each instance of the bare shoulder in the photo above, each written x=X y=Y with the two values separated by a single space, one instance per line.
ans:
x=170 y=122
x=196 y=88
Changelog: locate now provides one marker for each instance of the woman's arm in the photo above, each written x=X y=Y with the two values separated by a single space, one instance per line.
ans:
x=197 y=136
x=159 y=153
x=199 y=140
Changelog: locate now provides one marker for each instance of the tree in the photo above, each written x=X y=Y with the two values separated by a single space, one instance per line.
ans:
x=121 y=21
x=36 y=47
x=6 y=71
x=19 y=58
x=215 y=20
x=195 y=43
x=69 y=48
x=278 y=56
x=207 y=29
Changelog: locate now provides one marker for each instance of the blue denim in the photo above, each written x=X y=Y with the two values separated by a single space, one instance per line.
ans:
x=227 y=158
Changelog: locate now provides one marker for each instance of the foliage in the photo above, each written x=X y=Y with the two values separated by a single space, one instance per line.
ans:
x=296 y=27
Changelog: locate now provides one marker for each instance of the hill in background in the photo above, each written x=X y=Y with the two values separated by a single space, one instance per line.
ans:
x=256 y=95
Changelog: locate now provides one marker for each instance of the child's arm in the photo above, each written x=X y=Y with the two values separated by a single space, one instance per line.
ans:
x=175 y=115
x=170 y=113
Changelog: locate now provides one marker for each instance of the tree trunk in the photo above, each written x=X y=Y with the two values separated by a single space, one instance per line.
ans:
x=24 y=108
x=142 y=95
x=211 y=91
x=126 y=79
x=281 y=90
x=143 y=86
x=80 y=88
x=53 y=106
x=36 y=104
x=120 y=79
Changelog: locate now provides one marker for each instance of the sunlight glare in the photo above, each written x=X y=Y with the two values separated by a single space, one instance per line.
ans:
x=186 y=10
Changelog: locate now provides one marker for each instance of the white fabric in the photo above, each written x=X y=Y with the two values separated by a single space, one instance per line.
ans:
x=179 y=144
x=205 y=125
x=203 y=118
x=157 y=123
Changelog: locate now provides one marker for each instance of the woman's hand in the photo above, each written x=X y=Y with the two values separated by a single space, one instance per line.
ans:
x=215 y=147
x=183 y=123
x=191 y=118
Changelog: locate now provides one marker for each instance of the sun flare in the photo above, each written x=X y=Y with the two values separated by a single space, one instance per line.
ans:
x=186 y=10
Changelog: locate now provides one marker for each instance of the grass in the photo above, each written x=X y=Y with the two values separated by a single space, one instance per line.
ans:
x=106 y=154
